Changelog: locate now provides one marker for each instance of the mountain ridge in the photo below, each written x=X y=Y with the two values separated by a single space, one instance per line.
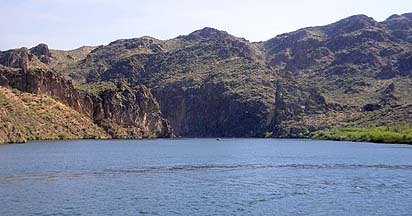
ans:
x=211 y=83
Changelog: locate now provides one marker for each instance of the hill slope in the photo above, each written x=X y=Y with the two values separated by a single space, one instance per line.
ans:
x=26 y=116
x=210 y=83
x=356 y=72
x=108 y=110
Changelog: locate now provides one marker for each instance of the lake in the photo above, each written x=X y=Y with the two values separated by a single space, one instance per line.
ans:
x=205 y=177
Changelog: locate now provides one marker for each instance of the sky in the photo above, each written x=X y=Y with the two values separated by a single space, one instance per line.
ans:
x=68 y=24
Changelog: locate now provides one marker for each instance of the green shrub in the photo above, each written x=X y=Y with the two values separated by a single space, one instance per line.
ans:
x=376 y=134
x=150 y=136
x=48 y=101
x=16 y=91
x=268 y=134
x=62 y=136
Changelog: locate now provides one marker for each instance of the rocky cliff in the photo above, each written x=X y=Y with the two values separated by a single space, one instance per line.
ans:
x=211 y=83
x=122 y=111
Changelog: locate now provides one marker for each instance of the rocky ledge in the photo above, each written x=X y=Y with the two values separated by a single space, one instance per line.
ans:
x=122 y=111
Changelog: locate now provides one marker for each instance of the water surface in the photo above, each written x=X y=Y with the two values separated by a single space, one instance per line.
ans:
x=205 y=177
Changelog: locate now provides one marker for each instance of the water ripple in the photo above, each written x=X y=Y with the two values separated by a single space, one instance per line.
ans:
x=197 y=168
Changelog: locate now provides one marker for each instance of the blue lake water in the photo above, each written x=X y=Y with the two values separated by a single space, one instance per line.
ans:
x=205 y=177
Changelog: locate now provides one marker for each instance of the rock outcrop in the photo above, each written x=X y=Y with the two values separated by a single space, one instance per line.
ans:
x=42 y=52
x=126 y=112
x=211 y=83
x=18 y=58
x=123 y=111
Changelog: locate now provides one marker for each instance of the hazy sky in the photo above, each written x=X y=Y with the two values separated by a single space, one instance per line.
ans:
x=67 y=24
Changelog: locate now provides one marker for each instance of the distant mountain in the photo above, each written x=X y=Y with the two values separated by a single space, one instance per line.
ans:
x=352 y=73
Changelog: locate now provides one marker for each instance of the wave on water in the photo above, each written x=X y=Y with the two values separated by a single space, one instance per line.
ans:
x=195 y=168
x=188 y=167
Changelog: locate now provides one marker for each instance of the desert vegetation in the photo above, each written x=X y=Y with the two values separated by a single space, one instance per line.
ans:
x=400 y=134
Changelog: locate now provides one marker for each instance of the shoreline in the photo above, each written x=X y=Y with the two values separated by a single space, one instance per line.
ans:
x=216 y=138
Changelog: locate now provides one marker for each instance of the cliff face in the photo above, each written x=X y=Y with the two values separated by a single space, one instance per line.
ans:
x=196 y=81
x=211 y=83
x=25 y=116
x=208 y=110
x=126 y=112
x=122 y=111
